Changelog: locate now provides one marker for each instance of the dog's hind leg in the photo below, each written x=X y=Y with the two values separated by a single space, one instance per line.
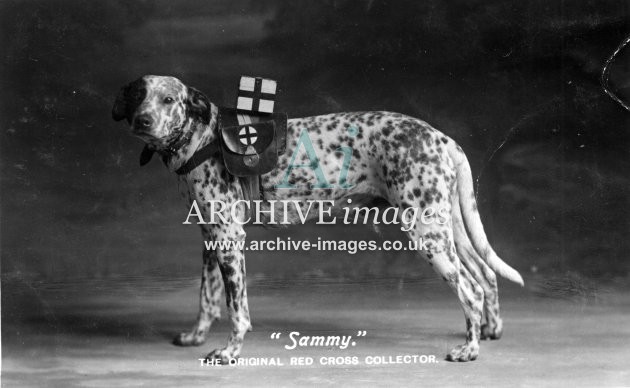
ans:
x=209 y=302
x=436 y=234
x=485 y=276
x=442 y=256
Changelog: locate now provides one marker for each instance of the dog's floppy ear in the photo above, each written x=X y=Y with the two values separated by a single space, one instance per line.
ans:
x=198 y=105
x=146 y=155
x=128 y=99
x=119 y=111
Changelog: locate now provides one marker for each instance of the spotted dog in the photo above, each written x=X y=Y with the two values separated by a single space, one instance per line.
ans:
x=397 y=158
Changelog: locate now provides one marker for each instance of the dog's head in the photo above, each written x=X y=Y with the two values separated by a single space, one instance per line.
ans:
x=159 y=109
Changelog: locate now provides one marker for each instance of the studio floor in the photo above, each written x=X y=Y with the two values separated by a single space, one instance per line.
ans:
x=117 y=333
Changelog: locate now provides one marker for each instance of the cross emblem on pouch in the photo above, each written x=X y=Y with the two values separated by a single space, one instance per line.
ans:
x=248 y=135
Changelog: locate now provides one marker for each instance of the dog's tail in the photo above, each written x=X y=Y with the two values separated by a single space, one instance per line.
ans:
x=471 y=217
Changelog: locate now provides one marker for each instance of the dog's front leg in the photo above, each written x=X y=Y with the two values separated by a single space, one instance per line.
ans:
x=209 y=301
x=232 y=265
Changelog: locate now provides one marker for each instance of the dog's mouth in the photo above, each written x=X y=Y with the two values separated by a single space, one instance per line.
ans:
x=147 y=135
x=144 y=134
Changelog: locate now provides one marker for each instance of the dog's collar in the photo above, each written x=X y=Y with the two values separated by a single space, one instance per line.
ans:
x=170 y=150
x=174 y=146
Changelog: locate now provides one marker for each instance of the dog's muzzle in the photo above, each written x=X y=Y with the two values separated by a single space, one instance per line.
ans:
x=143 y=122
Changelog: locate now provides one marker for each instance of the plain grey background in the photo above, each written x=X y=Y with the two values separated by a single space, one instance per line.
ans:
x=83 y=228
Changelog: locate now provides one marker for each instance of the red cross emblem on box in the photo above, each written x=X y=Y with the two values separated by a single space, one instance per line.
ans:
x=256 y=95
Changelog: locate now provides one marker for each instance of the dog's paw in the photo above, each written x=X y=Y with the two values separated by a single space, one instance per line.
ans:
x=194 y=338
x=463 y=353
x=225 y=355
x=492 y=331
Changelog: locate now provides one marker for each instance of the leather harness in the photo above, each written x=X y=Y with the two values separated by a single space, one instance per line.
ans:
x=250 y=146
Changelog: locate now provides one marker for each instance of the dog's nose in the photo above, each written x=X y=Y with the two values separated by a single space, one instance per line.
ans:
x=143 y=122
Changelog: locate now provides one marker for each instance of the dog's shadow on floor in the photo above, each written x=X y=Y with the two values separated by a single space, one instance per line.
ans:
x=139 y=323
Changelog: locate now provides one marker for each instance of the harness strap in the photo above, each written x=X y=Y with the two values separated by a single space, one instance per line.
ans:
x=252 y=185
x=199 y=157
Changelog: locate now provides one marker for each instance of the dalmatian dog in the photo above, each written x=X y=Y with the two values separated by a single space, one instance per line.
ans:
x=398 y=158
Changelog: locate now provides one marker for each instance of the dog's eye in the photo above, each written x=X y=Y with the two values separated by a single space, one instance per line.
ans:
x=169 y=100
